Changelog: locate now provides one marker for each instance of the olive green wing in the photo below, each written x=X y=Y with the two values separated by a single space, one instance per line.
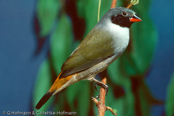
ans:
x=96 y=47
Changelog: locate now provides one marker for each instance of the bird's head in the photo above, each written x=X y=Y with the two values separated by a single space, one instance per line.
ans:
x=121 y=16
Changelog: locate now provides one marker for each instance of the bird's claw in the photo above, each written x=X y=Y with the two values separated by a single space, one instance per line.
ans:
x=101 y=85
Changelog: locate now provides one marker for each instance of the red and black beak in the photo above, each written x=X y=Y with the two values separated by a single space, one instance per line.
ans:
x=135 y=18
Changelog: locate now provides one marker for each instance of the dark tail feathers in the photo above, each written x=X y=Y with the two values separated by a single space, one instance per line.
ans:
x=43 y=100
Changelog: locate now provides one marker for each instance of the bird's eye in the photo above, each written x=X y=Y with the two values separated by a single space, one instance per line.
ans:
x=113 y=18
x=124 y=13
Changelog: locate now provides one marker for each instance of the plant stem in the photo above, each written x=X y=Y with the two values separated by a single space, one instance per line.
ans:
x=113 y=4
x=130 y=5
x=101 y=106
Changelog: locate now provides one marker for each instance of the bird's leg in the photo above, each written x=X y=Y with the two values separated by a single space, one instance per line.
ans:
x=98 y=83
x=97 y=90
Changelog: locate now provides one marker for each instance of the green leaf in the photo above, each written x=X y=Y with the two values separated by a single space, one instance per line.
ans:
x=47 y=11
x=90 y=11
x=90 y=14
x=144 y=38
x=60 y=102
x=61 y=41
x=42 y=85
x=83 y=99
x=72 y=93
x=144 y=104
x=169 y=105
x=117 y=104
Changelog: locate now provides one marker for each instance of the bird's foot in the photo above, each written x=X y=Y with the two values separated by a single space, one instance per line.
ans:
x=98 y=83
x=103 y=86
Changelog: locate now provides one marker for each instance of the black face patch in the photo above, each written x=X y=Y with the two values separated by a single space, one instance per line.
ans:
x=121 y=20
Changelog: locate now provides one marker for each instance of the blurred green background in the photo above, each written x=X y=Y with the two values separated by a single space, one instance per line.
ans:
x=38 y=36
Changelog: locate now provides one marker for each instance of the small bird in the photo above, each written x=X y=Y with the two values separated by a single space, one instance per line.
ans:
x=103 y=45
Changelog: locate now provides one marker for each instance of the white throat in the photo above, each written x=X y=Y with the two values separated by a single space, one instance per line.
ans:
x=119 y=34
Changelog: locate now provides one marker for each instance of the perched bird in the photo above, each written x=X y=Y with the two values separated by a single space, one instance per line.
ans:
x=103 y=45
